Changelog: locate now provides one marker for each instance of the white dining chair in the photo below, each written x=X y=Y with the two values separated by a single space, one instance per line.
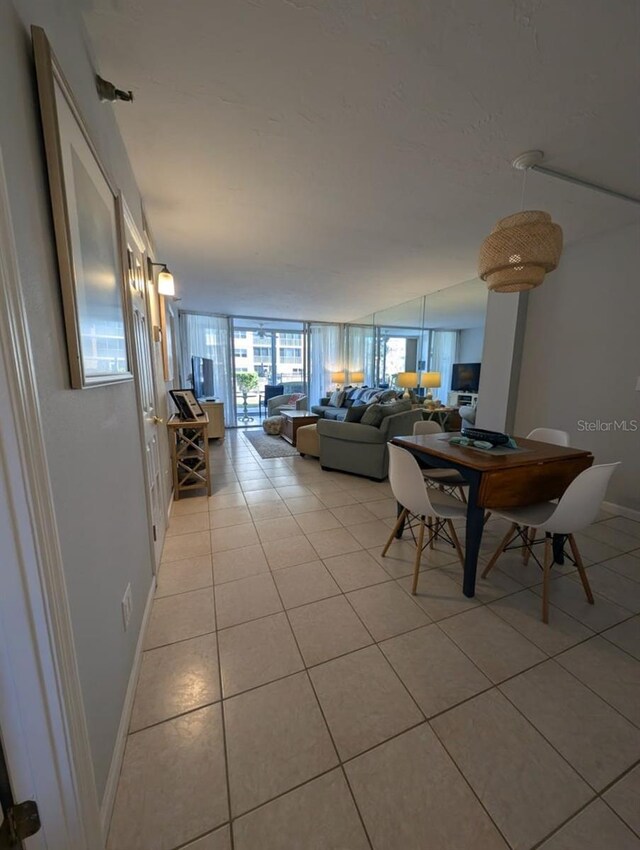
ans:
x=449 y=480
x=576 y=509
x=419 y=502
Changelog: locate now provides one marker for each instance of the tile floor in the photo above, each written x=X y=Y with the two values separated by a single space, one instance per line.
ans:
x=294 y=696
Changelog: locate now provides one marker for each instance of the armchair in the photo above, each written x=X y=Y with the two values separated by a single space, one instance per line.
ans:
x=275 y=404
x=362 y=449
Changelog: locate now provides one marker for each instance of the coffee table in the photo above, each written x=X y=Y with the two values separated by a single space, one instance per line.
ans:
x=294 y=419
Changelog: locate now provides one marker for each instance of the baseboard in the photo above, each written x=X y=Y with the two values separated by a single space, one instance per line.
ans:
x=109 y=795
x=620 y=510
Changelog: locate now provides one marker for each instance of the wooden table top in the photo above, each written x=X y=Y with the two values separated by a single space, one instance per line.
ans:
x=536 y=453
x=298 y=414
x=176 y=422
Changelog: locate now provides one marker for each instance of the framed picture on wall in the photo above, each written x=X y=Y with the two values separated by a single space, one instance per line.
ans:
x=86 y=223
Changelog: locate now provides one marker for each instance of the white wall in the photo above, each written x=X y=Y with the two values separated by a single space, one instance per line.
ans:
x=581 y=355
x=92 y=436
x=470 y=345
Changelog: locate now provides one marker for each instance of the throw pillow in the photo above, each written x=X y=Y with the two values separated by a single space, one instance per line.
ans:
x=337 y=397
x=294 y=397
x=356 y=412
x=377 y=412
x=387 y=395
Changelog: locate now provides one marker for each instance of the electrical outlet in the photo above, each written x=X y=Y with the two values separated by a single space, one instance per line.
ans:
x=127 y=605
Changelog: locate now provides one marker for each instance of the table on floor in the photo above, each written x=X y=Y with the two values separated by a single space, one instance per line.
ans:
x=294 y=419
x=536 y=472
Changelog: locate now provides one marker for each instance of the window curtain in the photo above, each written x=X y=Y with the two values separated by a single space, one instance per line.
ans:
x=325 y=357
x=444 y=348
x=209 y=336
x=360 y=342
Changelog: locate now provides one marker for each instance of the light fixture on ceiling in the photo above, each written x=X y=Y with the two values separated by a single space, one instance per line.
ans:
x=107 y=91
x=166 y=283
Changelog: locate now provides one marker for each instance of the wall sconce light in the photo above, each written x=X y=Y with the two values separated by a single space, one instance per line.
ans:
x=166 y=284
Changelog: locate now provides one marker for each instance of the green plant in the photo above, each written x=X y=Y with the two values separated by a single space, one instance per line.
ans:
x=247 y=381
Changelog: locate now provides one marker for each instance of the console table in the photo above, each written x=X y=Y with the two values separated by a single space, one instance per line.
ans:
x=215 y=412
x=189 y=440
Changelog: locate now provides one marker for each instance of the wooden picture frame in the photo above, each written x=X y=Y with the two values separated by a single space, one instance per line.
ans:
x=88 y=227
x=187 y=404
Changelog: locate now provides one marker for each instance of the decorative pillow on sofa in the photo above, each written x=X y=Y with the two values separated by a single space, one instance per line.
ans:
x=294 y=397
x=377 y=412
x=337 y=397
x=356 y=412
x=387 y=396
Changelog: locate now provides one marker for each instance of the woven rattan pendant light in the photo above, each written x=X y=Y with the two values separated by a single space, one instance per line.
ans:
x=521 y=249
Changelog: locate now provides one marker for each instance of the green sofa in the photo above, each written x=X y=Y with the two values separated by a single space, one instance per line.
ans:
x=362 y=449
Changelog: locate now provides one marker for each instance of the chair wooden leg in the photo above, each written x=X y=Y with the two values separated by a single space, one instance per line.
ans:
x=577 y=557
x=396 y=528
x=503 y=545
x=487 y=517
x=456 y=541
x=416 y=568
x=548 y=562
x=531 y=536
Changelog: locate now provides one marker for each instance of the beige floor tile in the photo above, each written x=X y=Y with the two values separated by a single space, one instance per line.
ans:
x=627 y=565
x=234 y=564
x=496 y=586
x=615 y=537
x=523 y=611
x=594 y=828
x=261 y=497
x=496 y=648
x=386 y=610
x=223 y=488
x=355 y=570
x=597 y=741
x=232 y=500
x=326 y=629
x=337 y=498
x=246 y=599
x=336 y=541
x=370 y=534
x=438 y=594
x=509 y=764
x=352 y=514
x=186 y=546
x=277 y=529
x=594 y=551
x=292 y=491
x=321 y=520
x=318 y=816
x=258 y=652
x=172 y=786
x=383 y=509
x=269 y=510
x=305 y=583
x=218 y=840
x=624 y=798
x=400 y=558
x=626 y=636
x=289 y=552
x=175 y=679
x=180 y=617
x=181 y=576
x=193 y=505
x=233 y=537
x=281 y=482
x=304 y=504
x=611 y=673
x=225 y=517
x=252 y=485
x=276 y=739
x=188 y=524
x=437 y=673
x=363 y=700
x=412 y=797
x=615 y=587
x=628 y=526
x=569 y=596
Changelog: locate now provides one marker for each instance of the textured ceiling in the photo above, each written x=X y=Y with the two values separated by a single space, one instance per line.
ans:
x=323 y=158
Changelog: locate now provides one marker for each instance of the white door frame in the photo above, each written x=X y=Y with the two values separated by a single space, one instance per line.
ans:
x=42 y=716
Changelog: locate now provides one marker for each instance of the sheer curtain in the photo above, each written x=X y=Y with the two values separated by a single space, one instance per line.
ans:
x=208 y=336
x=325 y=357
x=444 y=347
x=361 y=351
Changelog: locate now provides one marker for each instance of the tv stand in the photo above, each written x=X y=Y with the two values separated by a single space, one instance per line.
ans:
x=459 y=399
x=215 y=412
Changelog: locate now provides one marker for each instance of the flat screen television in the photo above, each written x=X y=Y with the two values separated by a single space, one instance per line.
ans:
x=202 y=377
x=465 y=377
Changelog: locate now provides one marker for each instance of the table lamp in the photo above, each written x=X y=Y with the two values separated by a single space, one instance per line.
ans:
x=357 y=377
x=408 y=380
x=431 y=380
x=339 y=378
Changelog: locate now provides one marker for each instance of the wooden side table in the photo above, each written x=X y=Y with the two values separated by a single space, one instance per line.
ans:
x=189 y=441
x=294 y=419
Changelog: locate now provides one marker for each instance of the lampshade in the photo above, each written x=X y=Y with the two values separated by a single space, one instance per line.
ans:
x=431 y=379
x=339 y=377
x=407 y=380
x=356 y=377
x=520 y=250
x=166 y=285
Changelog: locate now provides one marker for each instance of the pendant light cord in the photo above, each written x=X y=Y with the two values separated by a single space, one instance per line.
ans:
x=524 y=183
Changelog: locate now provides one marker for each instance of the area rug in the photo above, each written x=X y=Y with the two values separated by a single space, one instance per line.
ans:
x=269 y=446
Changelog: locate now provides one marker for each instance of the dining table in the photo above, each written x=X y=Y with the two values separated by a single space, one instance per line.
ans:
x=498 y=479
